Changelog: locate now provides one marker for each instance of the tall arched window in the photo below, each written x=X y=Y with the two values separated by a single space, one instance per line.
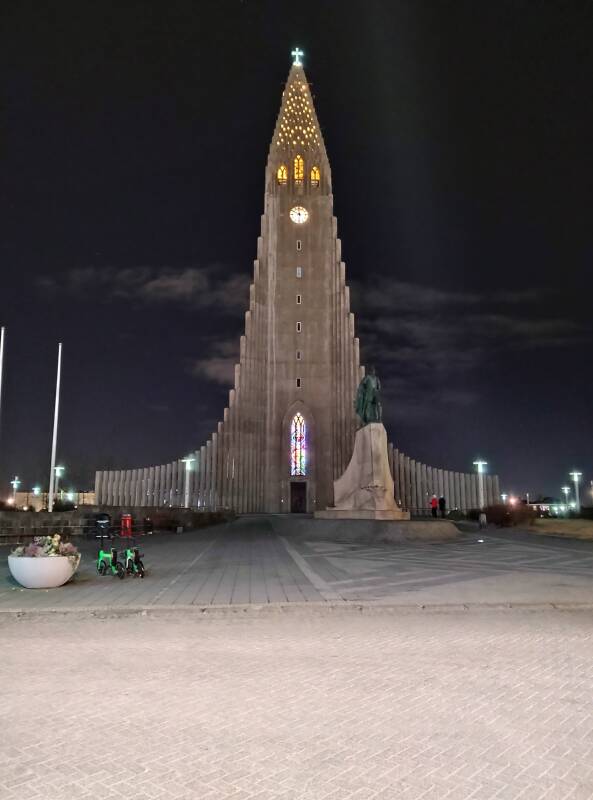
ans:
x=298 y=446
x=299 y=169
x=315 y=176
x=282 y=175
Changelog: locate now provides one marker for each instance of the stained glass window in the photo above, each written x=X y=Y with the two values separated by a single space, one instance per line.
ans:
x=282 y=175
x=298 y=446
x=315 y=176
x=299 y=169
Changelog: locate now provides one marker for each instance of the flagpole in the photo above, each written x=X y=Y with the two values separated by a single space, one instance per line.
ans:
x=1 y=372
x=1 y=365
x=52 y=474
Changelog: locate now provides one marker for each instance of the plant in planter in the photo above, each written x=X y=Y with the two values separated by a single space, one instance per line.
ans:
x=45 y=563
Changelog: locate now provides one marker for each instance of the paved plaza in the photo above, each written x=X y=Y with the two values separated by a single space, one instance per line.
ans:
x=478 y=704
x=263 y=561
x=259 y=661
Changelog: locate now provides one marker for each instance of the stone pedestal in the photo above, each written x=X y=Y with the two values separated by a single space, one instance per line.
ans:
x=365 y=490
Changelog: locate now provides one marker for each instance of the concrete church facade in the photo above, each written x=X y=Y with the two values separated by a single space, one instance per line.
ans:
x=289 y=428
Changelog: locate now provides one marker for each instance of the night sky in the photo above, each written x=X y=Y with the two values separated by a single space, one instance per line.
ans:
x=134 y=138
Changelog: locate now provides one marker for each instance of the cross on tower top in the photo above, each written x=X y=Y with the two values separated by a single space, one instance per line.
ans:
x=297 y=57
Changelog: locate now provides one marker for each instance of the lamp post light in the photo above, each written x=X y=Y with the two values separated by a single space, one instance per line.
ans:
x=188 y=461
x=36 y=491
x=59 y=472
x=479 y=464
x=15 y=483
x=503 y=497
x=576 y=476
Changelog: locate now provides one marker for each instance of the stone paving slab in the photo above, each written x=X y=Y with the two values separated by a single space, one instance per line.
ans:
x=272 y=561
x=483 y=705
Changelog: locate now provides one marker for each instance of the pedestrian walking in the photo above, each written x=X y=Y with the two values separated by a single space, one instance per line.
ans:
x=434 y=506
x=443 y=506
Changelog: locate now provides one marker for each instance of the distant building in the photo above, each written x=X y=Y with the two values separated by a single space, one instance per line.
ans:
x=37 y=502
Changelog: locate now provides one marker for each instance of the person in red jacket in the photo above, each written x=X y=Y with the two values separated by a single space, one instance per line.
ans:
x=434 y=506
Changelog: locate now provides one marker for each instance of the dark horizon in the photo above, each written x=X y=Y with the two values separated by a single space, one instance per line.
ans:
x=132 y=185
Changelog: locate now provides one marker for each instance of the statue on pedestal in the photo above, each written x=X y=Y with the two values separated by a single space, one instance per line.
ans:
x=368 y=398
x=365 y=490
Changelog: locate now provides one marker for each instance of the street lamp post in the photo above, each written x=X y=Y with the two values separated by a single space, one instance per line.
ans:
x=15 y=483
x=59 y=471
x=503 y=497
x=479 y=464
x=566 y=491
x=576 y=476
x=188 y=461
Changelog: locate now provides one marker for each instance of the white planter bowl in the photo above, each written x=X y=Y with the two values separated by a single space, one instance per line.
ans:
x=43 y=572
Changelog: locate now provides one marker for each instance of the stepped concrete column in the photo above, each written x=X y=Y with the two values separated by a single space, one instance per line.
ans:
x=496 y=489
x=413 y=494
x=468 y=490
x=173 y=498
x=458 y=490
x=489 y=490
x=193 y=489
x=167 y=486
x=202 y=477
x=150 y=487
x=395 y=473
x=408 y=481
x=233 y=449
x=390 y=460
x=440 y=483
x=447 y=488
x=137 y=487
x=424 y=485
x=180 y=483
x=224 y=450
x=109 y=492
x=473 y=495
x=133 y=474
x=463 y=500
x=214 y=499
x=98 y=487
x=157 y=486
x=128 y=488
x=115 y=487
x=419 y=493
x=208 y=481
x=433 y=482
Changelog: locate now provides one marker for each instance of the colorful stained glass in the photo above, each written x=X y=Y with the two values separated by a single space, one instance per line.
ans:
x=298 y=446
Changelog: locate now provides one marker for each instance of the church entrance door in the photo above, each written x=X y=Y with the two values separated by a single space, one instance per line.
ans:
x=298 y=497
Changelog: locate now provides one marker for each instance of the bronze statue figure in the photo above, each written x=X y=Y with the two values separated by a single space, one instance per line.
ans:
x=368 y=398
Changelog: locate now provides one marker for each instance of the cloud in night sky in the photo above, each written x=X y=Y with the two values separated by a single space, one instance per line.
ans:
x=424 y=340
x=212 y=286
x=219 y=365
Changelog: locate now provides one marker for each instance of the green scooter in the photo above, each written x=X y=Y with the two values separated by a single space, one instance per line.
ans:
x=107 y=561
x=134 y=565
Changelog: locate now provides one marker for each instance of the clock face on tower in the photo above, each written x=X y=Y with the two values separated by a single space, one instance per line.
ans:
x=299 y=214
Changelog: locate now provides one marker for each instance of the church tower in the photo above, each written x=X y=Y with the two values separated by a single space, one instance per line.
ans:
x=299 y=336
x=289 y=428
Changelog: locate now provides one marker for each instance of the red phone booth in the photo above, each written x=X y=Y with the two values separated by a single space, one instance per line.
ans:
x=126 y=525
